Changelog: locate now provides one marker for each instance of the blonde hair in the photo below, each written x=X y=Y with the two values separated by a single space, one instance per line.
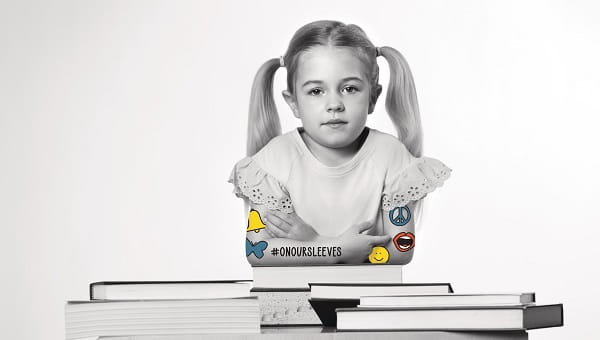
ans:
x=263 y=119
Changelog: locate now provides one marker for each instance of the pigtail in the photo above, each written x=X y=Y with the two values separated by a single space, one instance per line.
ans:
x=403 y=108
x=401 y=102
x=263 y=119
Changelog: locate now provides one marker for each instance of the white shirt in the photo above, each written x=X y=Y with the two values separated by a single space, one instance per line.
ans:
x=383 y=174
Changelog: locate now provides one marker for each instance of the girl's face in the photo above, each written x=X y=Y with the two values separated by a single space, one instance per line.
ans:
x=331 y=97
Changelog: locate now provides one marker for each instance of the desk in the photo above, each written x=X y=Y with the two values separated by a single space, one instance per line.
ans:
x=327 y=333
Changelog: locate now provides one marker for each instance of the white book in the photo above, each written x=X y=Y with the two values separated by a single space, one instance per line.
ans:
x=138 y=290
x=301 y=276
x=455 y=318
x=357 y=290
x=285 y=307
x=85 y=319
x=441 y=300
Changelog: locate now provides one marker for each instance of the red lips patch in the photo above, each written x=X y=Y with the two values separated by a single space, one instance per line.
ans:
x=404 y=241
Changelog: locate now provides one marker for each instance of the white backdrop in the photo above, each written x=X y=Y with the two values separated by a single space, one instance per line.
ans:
x=120 y=122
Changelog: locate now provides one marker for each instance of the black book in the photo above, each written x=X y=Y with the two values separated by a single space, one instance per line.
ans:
x=155 y=290
x=326 y=297
x=454 y=318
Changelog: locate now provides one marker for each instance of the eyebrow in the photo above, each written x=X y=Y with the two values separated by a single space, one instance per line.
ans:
x=321 y=82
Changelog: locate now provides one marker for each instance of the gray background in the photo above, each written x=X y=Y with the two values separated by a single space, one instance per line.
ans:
x=120 y=122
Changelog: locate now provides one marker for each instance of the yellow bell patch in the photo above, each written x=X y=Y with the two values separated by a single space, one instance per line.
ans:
x=254 y=222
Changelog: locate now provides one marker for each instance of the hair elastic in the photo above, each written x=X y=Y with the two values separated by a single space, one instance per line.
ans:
x=377 y=51
x=281 y=62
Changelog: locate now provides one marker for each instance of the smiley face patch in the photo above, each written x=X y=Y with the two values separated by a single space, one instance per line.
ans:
x=379 y=255
x=404 y=241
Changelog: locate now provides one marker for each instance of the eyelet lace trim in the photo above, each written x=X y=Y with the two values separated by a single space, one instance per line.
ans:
x=421 y=177
x=250 y=181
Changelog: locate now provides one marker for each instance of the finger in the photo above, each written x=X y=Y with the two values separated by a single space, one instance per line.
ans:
x=268 y=230
x=379 y=240
x=279 y=222
x=270 y=219
x=364 y=226
x=288 y=218
x=278 y=232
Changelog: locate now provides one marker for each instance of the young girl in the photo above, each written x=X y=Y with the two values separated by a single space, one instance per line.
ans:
x=334 y=190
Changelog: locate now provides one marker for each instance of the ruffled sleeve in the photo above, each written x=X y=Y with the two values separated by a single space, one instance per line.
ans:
x=251 y=182
x=421 y=176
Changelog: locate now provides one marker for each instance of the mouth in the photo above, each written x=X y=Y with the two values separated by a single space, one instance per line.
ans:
x=335 y=123
x=404 y=241
x=376 y=259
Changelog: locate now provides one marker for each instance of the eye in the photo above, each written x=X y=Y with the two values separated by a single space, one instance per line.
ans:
x=315 y=92
x=350 y=89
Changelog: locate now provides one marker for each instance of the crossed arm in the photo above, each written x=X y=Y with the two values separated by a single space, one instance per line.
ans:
x=278 y=238
x=399 y=224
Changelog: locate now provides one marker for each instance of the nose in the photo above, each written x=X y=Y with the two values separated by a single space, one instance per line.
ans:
x=335 y=105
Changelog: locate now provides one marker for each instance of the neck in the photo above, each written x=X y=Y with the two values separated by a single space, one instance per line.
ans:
x=337 y=156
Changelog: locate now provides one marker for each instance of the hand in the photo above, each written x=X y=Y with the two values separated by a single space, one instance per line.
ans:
x=291 y=226
x=356 y=247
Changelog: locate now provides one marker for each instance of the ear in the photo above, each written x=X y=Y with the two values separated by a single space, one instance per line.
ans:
x=374 y=97
x=291 y=101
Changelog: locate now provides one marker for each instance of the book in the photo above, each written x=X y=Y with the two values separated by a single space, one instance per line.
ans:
x=300 y=276
x=139 y=290
x=285 y=306
x=161 y=317
x=464 y=318
x=356 y=290
x=284 y=291
x=326 y=297
x=441 y=300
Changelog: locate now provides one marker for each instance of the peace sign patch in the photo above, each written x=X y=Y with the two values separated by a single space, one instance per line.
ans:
x=400 y=216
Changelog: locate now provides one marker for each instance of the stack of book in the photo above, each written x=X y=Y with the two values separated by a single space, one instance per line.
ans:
x=284 y=292
x=326 y=298
x=365 y=298
x=163 y=308
x=427 y=307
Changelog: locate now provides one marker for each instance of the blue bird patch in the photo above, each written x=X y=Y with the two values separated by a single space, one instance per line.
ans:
x=257 y=248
